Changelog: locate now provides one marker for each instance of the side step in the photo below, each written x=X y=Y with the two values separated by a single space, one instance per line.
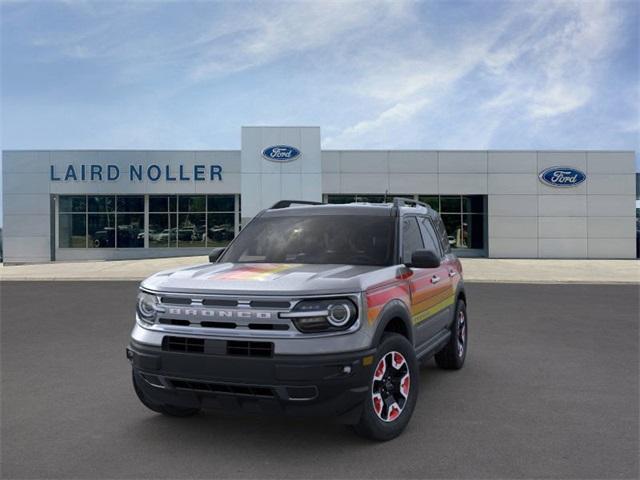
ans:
x=434 y=345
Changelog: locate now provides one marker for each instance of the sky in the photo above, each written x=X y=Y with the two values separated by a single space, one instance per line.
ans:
x=373 y=74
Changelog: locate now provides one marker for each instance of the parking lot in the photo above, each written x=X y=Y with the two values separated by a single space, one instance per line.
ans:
x=550 y=389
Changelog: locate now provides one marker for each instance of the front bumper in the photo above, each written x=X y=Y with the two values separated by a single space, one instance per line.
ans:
x=299 y=385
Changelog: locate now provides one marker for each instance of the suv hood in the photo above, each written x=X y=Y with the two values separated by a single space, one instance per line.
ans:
x=261 y=279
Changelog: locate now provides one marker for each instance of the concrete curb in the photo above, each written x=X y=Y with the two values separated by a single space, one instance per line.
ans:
x=476 y=270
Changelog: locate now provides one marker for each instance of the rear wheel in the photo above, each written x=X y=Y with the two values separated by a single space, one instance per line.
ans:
x=452 y=356
x=393 y=390
x=165 y=409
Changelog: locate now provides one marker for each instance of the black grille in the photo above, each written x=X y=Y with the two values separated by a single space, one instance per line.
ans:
x=183 y=344
x=270 y=304
x=176 y=300
x=249 y=390
x=217 y=347
x=170 y=321
x=208 y=324
x=218 y=302
x=250 y=349
x=268 y=326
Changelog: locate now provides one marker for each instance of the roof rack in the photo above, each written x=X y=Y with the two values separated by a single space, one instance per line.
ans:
x=288 y=203
x=405 y=202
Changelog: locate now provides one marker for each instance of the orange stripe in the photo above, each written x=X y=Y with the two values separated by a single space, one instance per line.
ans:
x=430 y=302
x=372 y=313
x=427 y=293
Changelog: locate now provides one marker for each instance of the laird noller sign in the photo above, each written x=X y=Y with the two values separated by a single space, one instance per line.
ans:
x=135 y=173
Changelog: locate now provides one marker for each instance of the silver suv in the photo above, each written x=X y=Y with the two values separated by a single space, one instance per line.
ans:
x=313 y=309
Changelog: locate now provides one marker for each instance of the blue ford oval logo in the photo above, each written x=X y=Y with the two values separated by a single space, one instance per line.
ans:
x=281 y=153
x=562 y=177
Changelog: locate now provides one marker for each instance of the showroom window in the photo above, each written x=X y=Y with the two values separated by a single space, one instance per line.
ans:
x=361 y=197
x=464 y=216
x=72 y=222
x=118 y=221
x=101 y=221
x=163 y=221
x=191 y=220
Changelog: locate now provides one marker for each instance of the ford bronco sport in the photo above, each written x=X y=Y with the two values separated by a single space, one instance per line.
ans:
x=313 y=309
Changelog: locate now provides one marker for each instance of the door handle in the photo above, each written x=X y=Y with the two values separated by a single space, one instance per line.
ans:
x=452 y=273
x=435 y=279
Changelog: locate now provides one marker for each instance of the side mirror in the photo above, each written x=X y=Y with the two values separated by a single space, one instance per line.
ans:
x=424 y=259
x=215 y=254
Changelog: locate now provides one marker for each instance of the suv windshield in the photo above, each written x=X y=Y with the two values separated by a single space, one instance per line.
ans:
x=342 y=239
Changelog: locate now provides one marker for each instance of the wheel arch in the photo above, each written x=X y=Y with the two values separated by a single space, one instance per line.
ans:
x=395 y=318
x=461 y=295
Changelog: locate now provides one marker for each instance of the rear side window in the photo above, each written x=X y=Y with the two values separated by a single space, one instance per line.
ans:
x=442 y=233
x=411 y=238
x=431 y=239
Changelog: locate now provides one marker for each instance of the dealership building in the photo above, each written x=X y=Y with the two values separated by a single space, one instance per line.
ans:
x=122 y=204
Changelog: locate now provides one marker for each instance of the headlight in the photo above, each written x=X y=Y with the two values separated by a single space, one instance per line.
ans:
x=323 y=315
x=146 y=307
x=340 y=313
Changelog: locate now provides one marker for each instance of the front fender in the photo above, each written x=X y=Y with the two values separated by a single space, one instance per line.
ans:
x=394 y=309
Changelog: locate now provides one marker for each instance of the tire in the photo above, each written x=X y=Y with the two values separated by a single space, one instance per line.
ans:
x=381 y=419
x=165 y=409
x=452 y=356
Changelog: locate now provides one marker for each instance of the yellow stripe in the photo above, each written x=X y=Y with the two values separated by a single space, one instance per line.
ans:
x=423 y=304
x=433 y=310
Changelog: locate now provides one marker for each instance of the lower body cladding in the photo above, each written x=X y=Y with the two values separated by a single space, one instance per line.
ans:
x=239 y=376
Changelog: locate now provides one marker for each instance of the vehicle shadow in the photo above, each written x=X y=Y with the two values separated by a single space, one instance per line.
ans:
x=245 y=429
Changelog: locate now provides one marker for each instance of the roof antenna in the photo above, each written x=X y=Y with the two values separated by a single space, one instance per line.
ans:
x=385 y=196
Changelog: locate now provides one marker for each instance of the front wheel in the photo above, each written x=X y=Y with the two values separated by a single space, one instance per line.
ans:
x=452 y=356
x=393 y=390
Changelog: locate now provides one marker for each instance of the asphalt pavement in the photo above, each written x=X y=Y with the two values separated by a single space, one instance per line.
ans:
x=549 y=390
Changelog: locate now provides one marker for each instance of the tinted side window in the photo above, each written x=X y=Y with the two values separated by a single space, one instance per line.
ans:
x=431 y=240
x=442 y=233
x=411 y=238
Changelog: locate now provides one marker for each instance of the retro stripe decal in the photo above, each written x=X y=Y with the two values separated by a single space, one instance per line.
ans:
x=423 y=315
x=419 y=305
x=260 y=272
x=428 y=299
x=377 y=298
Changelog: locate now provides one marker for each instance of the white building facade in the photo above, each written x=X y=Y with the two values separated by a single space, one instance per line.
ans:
x=120 y=204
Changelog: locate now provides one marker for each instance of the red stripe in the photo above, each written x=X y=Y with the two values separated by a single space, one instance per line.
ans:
x=375 y=299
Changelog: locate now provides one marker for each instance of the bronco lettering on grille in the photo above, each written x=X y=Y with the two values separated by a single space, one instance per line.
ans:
x=217 y=313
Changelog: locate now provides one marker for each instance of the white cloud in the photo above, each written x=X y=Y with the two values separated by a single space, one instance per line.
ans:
x=253 y=38
x=543 y=57
x=558 y=98
x=232 y=37
x=397 y=114
x=379 y=72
